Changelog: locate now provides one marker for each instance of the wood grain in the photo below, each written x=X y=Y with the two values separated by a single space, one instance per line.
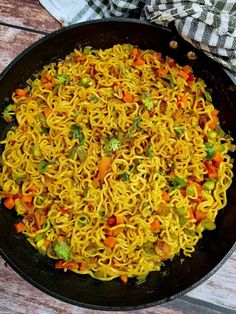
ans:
x=219 y=289
x=27 y=13
x=12 y=42
x=19 y=297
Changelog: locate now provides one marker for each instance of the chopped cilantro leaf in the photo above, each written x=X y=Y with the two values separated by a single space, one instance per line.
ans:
x=124 y=176
x=63 y=78
x=178 y=182
x=77 y=133
x=147 y=101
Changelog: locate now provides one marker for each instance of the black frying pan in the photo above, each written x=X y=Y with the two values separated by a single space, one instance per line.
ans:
x=176 y=278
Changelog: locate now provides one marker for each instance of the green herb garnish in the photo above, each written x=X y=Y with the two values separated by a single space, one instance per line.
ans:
x=42 y=166
x=77 y=133
x=63 y=78
x=178 y=182
x=207 y=96
x=149 y=152
x=124 y=176
x=62 y=250
x=87 y=50
x=8 y=112
x=170 y=79
x=147 y=101
x=134 y=126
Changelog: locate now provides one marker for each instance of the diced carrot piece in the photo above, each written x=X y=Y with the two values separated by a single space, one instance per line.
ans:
x=166 y=196
x=134 y=52
x=191 y=78
x=47 y=111
x=21 y=92
x=104 y=167
x=47 y=78
x=9 y=203
x=217 y=159
x=139 y=61
x=124 y=278
x=183 y=74
x=109 y=232
x=110 y=242
x=128 y=98
x=187 y=69
x=119 y=219
x=182 y=101
x=212 y=171
x=156 y=226
x=59 y=264
x=47 y=243
x=199 y=215
x=190 y=213
x=96 y=182
x=137 y=98
x=116 y=231
x=32 y=188
x=69 y=265
x=27 y=198
x=48 y=86
x=162 y=73
x=214 y=119
x=82 y=266
x=79 y=58
x=178 y=116
x=20 y=227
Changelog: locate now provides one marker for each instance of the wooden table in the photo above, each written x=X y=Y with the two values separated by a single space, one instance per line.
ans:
x=22 y=23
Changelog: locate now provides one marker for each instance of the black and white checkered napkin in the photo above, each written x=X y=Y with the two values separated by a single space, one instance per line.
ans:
x=209 y=25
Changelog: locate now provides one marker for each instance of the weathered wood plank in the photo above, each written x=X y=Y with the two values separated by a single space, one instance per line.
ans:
x=220 y=289
x=12 y=42
x=18 y=296
x=27 y=13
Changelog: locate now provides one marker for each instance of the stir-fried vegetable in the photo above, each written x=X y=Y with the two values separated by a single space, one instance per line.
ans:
x=147 y=101
x=209 y=185
x=210 y=150
x=8 y=113
x=124 y=176
x=77 y=133
x=178 y=182
x=42 y=166
x=64 y=79
x=62 y=250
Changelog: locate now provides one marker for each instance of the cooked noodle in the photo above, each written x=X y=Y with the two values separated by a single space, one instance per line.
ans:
x=117 y=161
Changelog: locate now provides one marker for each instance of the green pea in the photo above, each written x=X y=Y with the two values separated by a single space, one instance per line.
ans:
x=212 y=135
x=209 y=185
x=181 y=211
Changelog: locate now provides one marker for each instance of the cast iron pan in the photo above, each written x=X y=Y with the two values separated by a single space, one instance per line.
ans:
x=176 y=278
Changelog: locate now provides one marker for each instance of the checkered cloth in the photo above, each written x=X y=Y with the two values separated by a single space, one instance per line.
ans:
x=209 y=25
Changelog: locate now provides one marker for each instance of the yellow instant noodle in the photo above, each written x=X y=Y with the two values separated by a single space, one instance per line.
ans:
x=123 y=157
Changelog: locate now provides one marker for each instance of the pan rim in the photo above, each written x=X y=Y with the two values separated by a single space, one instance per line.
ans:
x=27 y=277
